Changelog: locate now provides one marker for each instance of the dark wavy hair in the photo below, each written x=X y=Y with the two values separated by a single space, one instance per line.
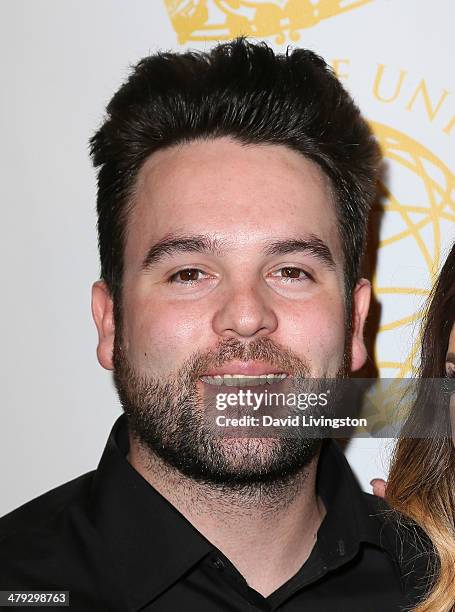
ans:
x=421 y=484
x=242 y=90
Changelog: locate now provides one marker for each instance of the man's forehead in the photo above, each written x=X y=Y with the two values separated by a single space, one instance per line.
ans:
x=222 y=188
x=216 y=158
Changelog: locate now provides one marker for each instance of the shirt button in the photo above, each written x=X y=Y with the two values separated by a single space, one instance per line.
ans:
x=218 y=563
x=341 y=548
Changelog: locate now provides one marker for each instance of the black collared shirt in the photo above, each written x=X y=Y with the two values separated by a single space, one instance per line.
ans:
x=113 y=542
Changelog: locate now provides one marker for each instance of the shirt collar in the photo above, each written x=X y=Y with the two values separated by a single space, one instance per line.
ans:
x=153 y=544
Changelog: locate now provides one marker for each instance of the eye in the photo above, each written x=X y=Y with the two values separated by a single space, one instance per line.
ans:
x=292 y=274
x=187 y=276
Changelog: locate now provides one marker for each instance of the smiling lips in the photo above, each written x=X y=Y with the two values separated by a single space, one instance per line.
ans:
x=244 y=374
x=243 y=380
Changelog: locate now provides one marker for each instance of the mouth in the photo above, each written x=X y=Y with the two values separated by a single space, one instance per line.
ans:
x=243 y=380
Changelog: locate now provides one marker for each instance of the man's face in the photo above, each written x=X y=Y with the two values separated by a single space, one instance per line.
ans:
x=232 y=264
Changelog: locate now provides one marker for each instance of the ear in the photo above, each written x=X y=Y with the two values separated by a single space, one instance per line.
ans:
x=361 y=303
x=103 y=315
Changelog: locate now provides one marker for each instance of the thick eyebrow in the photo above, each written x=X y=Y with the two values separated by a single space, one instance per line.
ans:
x=203 y=243
x=171 y=244
x=311 y=245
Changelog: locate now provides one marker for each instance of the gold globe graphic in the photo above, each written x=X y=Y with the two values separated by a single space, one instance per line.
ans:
x=201 y=20
x=416 y=229
x=412 y=229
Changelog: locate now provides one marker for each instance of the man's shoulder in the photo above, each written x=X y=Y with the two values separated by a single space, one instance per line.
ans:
x=384 y=521
x=380 y=511
x=408 y=545
x=40 y=512
x=398 y=530
x=52 y=542
x=400 y=535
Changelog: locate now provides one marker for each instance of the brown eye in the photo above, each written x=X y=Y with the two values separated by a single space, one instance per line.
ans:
x=291 y=272
x=292 y=275
x=188 y=275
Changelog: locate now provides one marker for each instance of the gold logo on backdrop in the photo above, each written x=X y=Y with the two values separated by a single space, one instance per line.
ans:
x=419 y=211
x=200 y=20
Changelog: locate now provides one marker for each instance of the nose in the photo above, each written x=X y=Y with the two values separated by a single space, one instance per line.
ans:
x=246 y=312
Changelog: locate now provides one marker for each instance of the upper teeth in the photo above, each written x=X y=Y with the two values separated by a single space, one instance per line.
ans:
x=239 y=380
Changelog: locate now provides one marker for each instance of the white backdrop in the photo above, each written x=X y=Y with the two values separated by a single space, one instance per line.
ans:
x=61 y=62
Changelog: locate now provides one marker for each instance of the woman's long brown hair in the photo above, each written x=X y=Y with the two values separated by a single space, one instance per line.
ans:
x=421 y=482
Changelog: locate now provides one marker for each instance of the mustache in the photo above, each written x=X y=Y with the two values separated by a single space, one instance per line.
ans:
x=261 y=349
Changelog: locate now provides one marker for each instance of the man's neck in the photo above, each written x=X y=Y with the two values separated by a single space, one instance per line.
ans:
x=267 y=532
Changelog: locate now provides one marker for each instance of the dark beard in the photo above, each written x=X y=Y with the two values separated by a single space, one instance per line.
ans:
x=166 y=418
